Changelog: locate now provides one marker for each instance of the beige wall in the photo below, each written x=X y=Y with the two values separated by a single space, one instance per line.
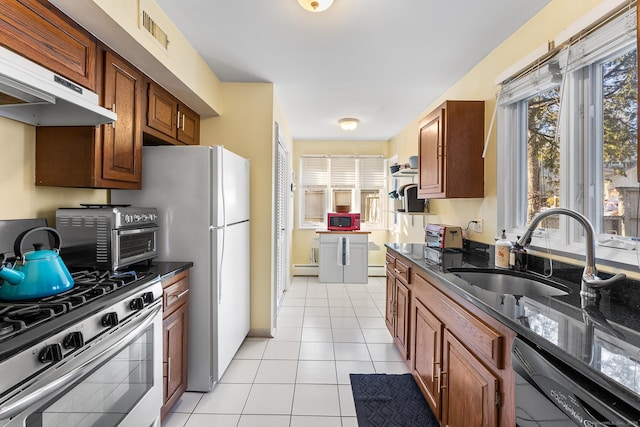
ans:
x=479 y=84
x=22 y=198
x=246 y=128
x=179 y=68
x=301 y=248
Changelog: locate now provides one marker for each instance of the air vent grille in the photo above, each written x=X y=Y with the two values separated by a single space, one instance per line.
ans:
x=154 y=30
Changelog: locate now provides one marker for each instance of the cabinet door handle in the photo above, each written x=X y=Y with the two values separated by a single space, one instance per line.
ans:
x=168 y=370
x=178 y=122
x=113 y=108
x=183 y=293
x=397 y=271
x=183 y=116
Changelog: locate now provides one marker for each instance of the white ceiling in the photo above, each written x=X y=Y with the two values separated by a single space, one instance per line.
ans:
x=381 y=61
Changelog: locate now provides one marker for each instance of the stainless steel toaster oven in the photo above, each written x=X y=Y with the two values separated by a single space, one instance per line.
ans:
x=107 y=236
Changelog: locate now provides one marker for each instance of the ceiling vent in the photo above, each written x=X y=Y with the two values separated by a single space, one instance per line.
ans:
x=150 y=26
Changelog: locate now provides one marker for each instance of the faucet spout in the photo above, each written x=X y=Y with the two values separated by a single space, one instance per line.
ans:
x=590 y=280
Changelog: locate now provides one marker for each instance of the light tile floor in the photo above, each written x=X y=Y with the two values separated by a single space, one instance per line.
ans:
x=300 y=378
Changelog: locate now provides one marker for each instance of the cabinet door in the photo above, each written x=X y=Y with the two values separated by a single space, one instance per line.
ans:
x=188 y=126
x=122 y=140
x=357 y=270
x=162 y=109
x=402 y=318
x=390 y=304
x=426 y=354
x=329 y=270
x=431 y=156
x=175 y=356
x=40 y=32
x=467 y=384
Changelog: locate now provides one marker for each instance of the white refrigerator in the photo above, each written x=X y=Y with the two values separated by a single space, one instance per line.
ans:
x=202 y=196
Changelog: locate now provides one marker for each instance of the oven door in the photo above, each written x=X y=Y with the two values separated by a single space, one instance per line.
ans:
x=114 y=382
x=129 y=246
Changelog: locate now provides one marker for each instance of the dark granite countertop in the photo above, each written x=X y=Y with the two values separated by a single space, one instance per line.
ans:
x=601 y=341
x=164 y=269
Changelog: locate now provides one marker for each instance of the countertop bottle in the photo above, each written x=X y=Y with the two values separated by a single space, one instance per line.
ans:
x=503 y=249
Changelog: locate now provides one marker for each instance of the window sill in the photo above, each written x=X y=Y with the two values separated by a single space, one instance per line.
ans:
x=611 y=260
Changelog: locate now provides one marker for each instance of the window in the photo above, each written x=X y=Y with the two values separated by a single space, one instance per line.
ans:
x=567 y=136
x=342 y=184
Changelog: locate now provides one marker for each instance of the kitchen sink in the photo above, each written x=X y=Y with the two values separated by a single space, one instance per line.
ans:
x=510 y=282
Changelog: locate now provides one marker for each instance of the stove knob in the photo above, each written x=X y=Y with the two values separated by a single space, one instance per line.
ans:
x=110 y=319
x=147 y=297
x=51 y=353
x=137 y=304
x=73 y=340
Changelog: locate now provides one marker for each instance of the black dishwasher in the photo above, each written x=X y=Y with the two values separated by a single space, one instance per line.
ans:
x=549 y=393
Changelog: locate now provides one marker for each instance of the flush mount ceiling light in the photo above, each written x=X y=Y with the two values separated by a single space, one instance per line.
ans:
x=315 y=5
x=348 y=123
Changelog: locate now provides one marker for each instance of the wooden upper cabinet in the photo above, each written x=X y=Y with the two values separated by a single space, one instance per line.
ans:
x=162 y=109
x=37 y=30
x=122 y=141
x=169 y=121
x=189 y=126
x=108 y=156
x=450 y=145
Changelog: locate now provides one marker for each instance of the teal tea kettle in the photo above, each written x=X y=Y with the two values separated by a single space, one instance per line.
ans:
x=36 y=274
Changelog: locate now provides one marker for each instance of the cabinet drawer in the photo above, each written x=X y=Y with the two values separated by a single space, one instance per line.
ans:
x=176 y=292
x=403 y=271
x=484 y=341
x=390 y=262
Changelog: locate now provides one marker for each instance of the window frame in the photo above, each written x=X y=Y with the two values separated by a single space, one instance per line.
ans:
x=356 y=192
x=581 y=171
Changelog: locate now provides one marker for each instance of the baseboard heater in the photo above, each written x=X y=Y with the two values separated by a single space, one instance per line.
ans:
x=312 y=270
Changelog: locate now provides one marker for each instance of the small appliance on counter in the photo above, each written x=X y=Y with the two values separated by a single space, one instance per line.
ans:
x=443 y=258
x=409 y=196
x=343 y=221
x=107 y=236
x=443 y=236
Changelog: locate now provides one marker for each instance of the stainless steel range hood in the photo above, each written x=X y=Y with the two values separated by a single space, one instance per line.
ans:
x=32 y=94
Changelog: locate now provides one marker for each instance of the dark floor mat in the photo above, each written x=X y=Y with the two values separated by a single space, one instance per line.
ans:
x=384 y=400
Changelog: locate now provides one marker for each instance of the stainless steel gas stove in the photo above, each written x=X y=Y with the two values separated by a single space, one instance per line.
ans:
x=88 y=356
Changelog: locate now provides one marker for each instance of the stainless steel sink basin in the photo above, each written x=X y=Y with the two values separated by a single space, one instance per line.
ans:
x=510 y=282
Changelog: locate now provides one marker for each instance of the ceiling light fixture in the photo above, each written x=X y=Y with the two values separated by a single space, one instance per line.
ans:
x=315 y=5
x=348 y=123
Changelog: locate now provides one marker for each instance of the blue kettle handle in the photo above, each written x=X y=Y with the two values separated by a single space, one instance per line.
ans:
x=17 y=247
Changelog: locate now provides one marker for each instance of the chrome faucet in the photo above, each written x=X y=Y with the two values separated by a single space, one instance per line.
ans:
x=591 y=283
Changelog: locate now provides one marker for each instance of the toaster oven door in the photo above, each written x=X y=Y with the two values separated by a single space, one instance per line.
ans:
x=129 y=246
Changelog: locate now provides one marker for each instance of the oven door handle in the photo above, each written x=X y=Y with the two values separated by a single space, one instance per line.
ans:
x=136 y=230
x=12 y=409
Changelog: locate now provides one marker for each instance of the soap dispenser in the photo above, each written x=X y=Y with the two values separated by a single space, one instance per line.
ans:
x=502 y=253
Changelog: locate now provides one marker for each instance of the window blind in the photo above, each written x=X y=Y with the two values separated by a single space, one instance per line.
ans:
x=314 y=171
x=343 y=172
x=371 y=172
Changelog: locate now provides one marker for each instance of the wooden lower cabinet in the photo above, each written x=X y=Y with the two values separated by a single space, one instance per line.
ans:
x=470 y=396
x=175 y=339
x=426 y=354
x=401 y=335
x=459 y=355
x=397 y=306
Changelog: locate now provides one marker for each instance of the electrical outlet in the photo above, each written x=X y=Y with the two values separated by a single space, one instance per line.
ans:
x=477 y=225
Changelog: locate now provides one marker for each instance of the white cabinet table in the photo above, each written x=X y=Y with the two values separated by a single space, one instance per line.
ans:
x=344 y=256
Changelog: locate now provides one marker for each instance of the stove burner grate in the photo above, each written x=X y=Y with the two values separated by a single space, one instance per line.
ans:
x=89 y=285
